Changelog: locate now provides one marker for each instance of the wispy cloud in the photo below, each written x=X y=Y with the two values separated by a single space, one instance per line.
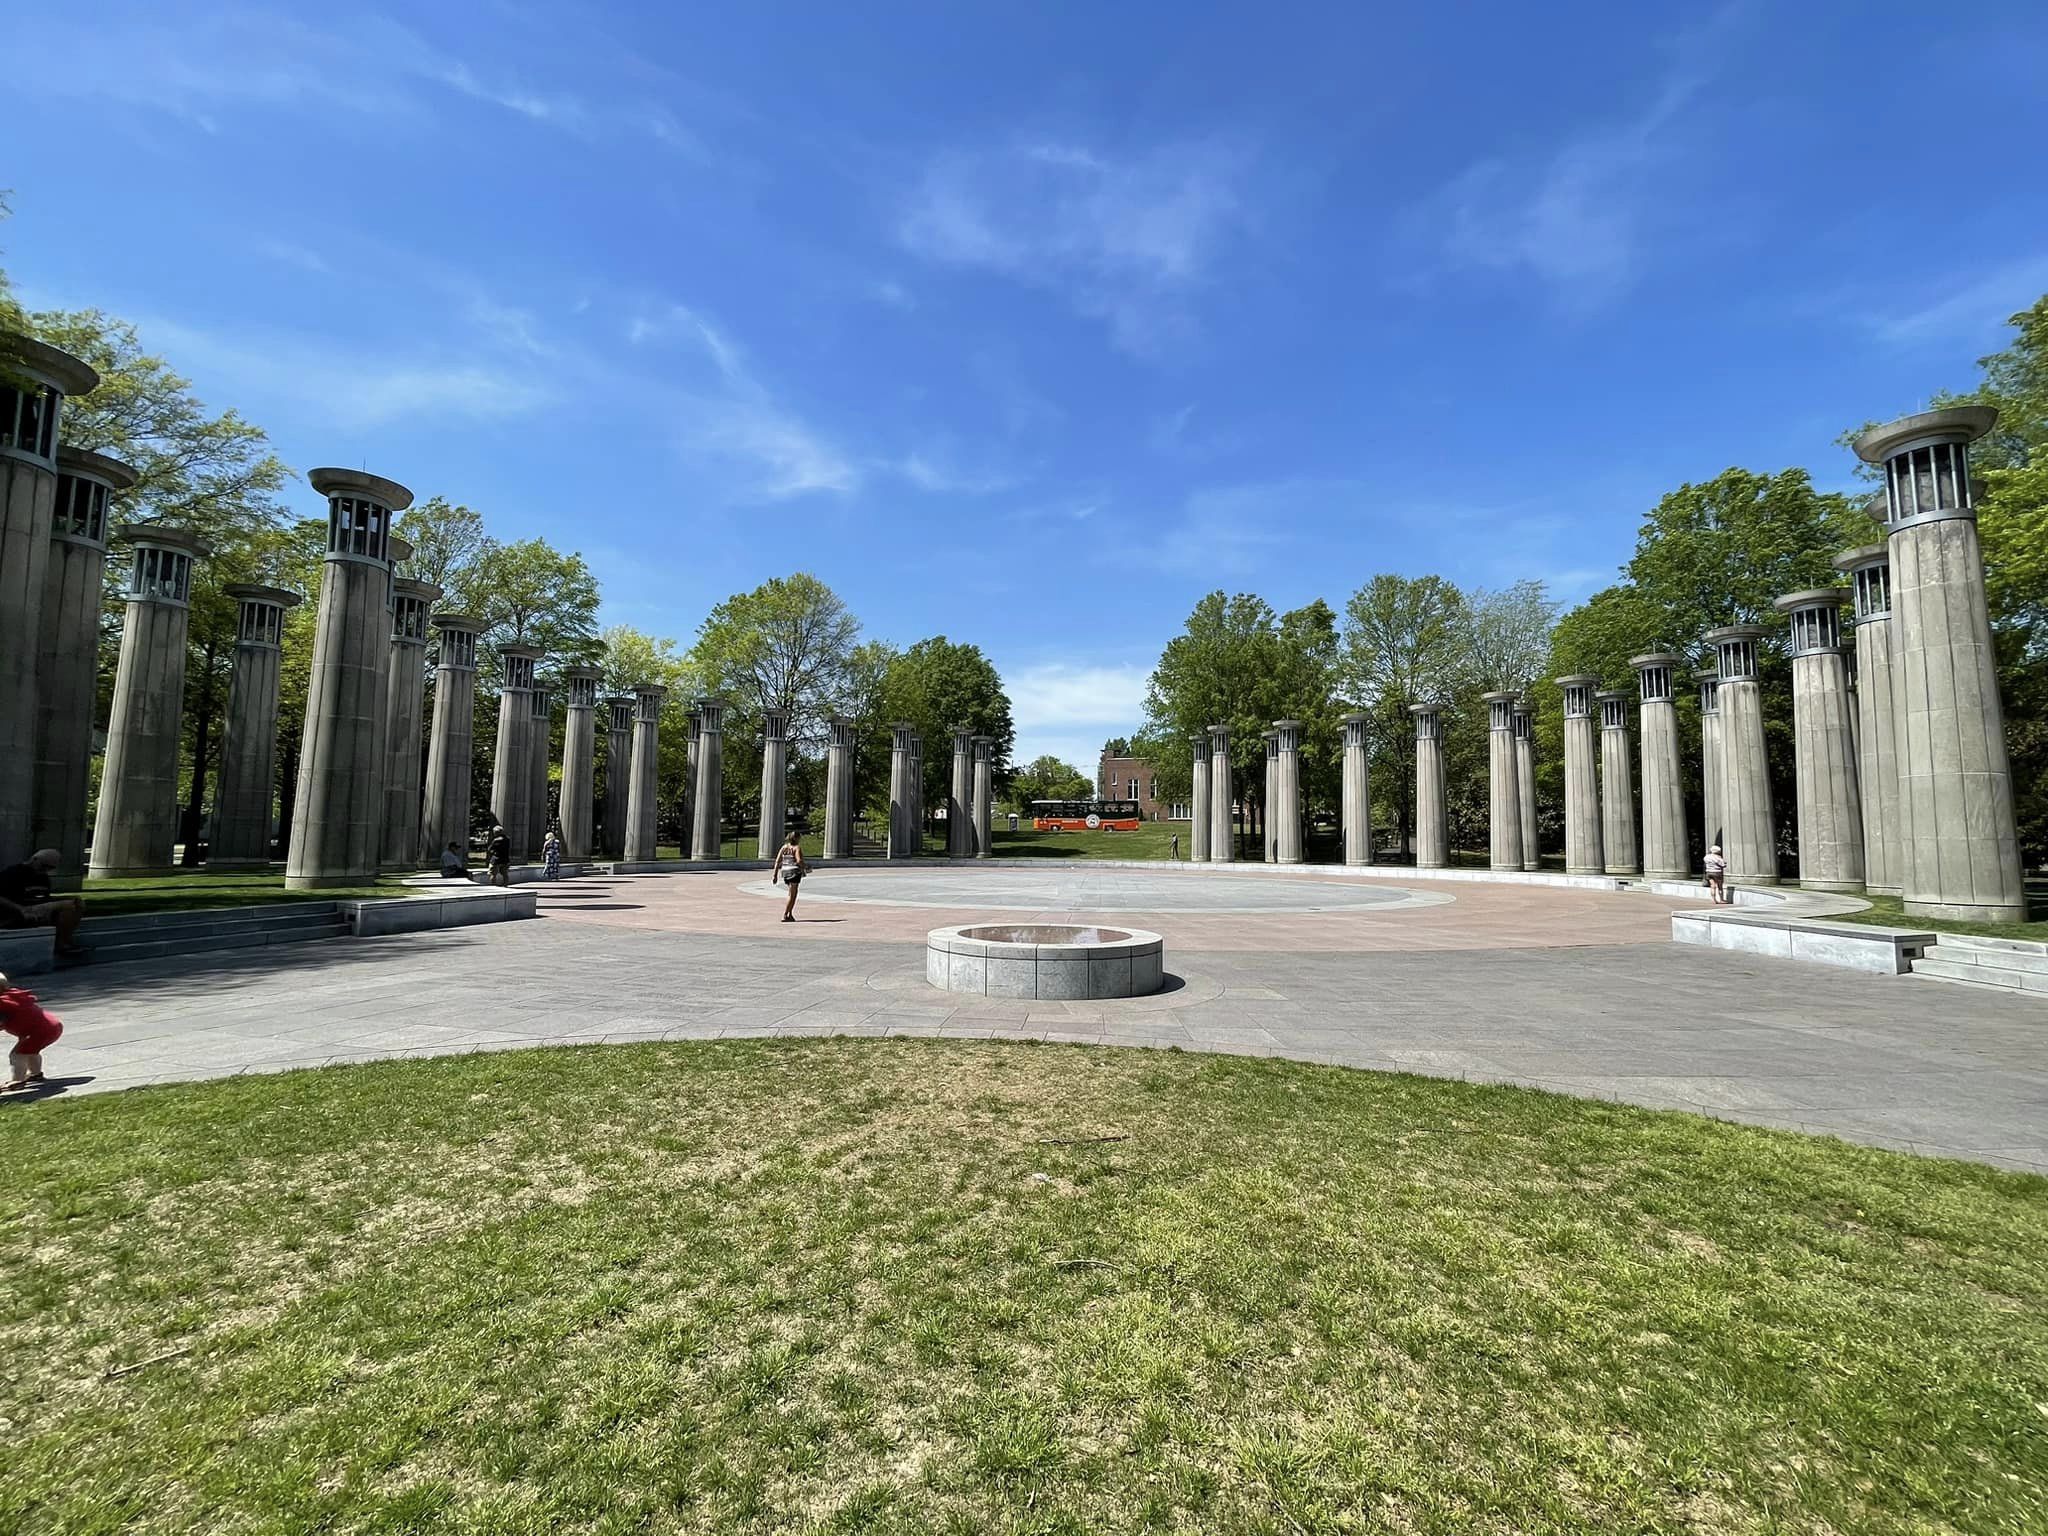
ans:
x=1124 y=240
x=931 y=471
x=1068 y=708
x=1578 y=217
x=1956 y=306
x=1232 y=530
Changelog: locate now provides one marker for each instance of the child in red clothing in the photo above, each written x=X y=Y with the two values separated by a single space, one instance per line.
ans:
x=34 y=1030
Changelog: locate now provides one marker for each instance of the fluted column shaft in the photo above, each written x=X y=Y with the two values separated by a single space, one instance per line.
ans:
x=710 y=812
x=1525 y=780
x=839 y=789
x=1617 y=787
x=618 y=771
x=1286 y=811
x=405 y=702
x=1667 y=853
x=1584 y=851
x=1876 y=718
x=984 y=797
x=1222 y=836
x=240 y=834
x=512 y=762
x=959 y=804
x=1272 y=755
x=643 y=786
x=899 y=791
x=539 y=744
x=1432 y=812
x=774 y=781
x=1357 y=792
x=1504 y=794
x=1199 y=850
x=451 y=739
x=579 y=761
x=1749 y=837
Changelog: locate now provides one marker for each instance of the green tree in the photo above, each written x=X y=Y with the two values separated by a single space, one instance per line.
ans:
x=1404 y=642
x=446 y=540
x=937 y=684
x=632 y=658
x=787 y=644
x=1047 y=778
x=530 y=593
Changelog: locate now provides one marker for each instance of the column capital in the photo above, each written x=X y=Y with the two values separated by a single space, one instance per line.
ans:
x=1613 y=709
x=261 y=618
x=1816 y=619
x=1654 y=671
x=1735 y=648
x=774 y=723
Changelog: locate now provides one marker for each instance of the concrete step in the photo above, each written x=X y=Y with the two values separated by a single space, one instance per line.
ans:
x=1943 y=965
x=2011 y=949
x=166 y=925
x=255 y=936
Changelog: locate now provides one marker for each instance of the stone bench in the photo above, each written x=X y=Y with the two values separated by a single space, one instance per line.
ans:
x=460 y=907
x=27 y=951
x=1854 y=946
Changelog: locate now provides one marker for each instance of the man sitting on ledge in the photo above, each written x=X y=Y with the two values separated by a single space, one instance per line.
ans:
x=26 y=902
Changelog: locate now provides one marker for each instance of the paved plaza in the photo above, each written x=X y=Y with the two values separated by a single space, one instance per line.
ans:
x=1579 y=992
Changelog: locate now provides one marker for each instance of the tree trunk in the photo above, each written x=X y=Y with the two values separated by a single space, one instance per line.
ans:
x=202 y=731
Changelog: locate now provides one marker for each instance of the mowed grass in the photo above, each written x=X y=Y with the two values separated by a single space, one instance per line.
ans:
x=1890 y=912
x=197 y=889
x=925 y=1286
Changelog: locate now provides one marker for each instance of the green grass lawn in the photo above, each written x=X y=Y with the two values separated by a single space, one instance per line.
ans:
x=923 y=1286
x=1890 y=912
x=194 y=889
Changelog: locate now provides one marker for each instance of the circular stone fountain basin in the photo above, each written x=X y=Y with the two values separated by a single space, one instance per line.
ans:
x=1069 y=961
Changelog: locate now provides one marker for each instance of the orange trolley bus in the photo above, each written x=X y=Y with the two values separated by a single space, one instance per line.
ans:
x=1084 y=815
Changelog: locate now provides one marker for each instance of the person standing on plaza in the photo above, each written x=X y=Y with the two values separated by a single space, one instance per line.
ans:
x=1716 y=866
x=34 y=1032
x=498 y=853
x=551 y=852
x=1173 y=851
x=789 y=868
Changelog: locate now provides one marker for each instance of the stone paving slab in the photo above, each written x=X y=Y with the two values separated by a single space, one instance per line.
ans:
x=1766 y=1042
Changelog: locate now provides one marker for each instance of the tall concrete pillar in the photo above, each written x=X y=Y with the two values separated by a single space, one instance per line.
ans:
x=1877 y=747
x=1504 y=793
x=1617 y=786
x=32 y=392
x=916 y=796
x=774 y=781
x=539 y=743
x=686 y=835
x=1829 y=802
x=1432 y=811
x=137 y=822
x=984 y=797
x=839 y=789
x=1222 y=835
x=68 y=655
x=1584 y=851
x=1357 y=792
x=240 y=835
x=1667 y=852
x=1270 y=741
x=1749 y=835
x=512 y=762
x=445 y=806
x=1709 y=679
x=1199 y=850
x=709 y=821
x=900 y=732
x=618 y=771
x=1525 y=779
x=340 y=800
x=643 y=780
x=579 y=760
x=1286 y=813
x=405 y=703
x=959 y=804
x=1956 y=824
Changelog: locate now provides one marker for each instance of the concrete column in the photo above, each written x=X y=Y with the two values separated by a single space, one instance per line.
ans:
x=709 y=820
x=1525 y=779
x=1667 y=852
x=1709 y=679
x=1956 y=825
x=839 y=789
x=1270 y=741
x=1749 y=837
x=959 y=804
x=444 y=808
x=618 y=771
x=643 y=781
x=1584 y=850
x=1199 y=851
x=579 y=760
x=340 y=801
x=774 y=781
x=68 y=655
x=405 y=703
x=1617 y=786
x=1877 y=747
x=916 y=796
x=984 y=797
x=686 y=834
x=512 y=763
x=1357 y=792
x=539 y=743
x=1222 y=836
x=1504 y=792
x=247 y=788
x=1829 y=802
x=138 y=810
x=32 y=392
x=1286 y=812
x=900 y=732
x=1432 y=811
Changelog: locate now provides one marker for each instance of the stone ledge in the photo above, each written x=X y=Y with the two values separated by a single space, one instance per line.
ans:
x=27 y=951
x=458 y=908
x=1854 y=946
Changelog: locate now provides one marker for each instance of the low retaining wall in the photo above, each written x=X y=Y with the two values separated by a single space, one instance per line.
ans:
x=1854 y=946
x=27 y=951
x=461 y=907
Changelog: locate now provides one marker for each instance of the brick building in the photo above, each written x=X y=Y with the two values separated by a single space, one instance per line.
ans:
x=1130 y=778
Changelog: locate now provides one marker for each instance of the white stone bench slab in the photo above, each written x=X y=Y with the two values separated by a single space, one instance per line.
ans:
x=460 y=907
x=1854 y=946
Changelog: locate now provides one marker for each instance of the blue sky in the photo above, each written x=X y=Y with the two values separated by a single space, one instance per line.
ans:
x=1030 y=324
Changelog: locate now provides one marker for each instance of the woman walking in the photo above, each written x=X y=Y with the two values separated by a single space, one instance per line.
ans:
x=789 y=869
x=551 y=851
x=1717 y=876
